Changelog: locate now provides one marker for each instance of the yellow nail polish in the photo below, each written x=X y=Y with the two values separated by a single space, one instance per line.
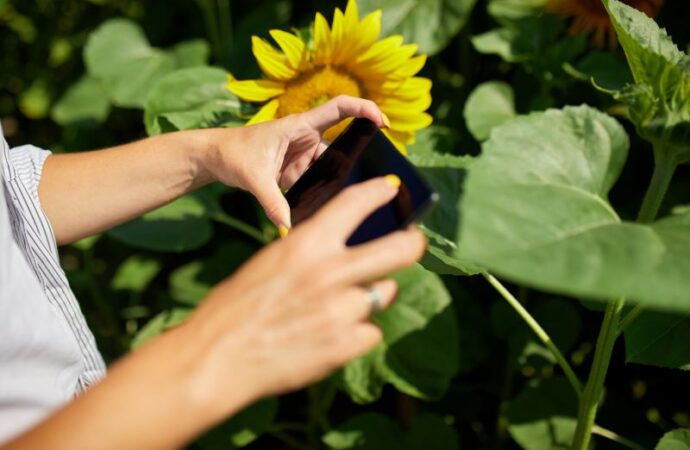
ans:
x=283 y=231
x=386 y=121
x=393 y=180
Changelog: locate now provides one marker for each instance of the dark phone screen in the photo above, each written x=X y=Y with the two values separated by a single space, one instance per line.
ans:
x=361 y=152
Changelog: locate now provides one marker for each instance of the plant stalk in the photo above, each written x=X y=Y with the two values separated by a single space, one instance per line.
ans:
x=630 y=318
x=538 y=330
x=664 y=167
x=661 y=179
x=589 y=402
x=241 y=226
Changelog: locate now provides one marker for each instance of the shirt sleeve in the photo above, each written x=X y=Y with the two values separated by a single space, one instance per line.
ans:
x=28 y=161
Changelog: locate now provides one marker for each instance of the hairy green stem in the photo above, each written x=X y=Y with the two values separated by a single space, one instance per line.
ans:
x=538 y=330
x=612 y=325
x=241 y=226
x=589 y=402
x=615 y=437
x=661 y=179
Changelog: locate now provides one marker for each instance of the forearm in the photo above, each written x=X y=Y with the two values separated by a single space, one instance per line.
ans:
x=156 y=398
x=85 y=193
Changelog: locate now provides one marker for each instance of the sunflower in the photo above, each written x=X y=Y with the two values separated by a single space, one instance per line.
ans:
x=589 y=16
x=346 y=59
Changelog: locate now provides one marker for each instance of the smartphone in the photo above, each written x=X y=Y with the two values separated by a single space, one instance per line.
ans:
x=359 y=153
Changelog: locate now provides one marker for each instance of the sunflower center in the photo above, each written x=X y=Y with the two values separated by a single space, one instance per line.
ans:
x=315 y=87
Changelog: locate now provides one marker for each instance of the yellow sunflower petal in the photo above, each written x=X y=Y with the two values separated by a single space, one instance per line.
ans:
x=293 y=47
x=390 y=62
x=255 y=90
x=397 y=143
x=369 y=29
x=409 y=122
x=337 y=33
x=266 y=113
x=272 y=62
x=380 y=49
x=409 y=89
x=322 y=41
x=405 y=137
x=411 y=67
x=413 y=105
x=350 y=37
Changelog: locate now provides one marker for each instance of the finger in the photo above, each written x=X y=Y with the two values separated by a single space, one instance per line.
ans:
x=342 y=215
x=323 y=145
x=274 y=203
x=341 y=107
x=380 y=257
x=361 y=340
x=356 y=303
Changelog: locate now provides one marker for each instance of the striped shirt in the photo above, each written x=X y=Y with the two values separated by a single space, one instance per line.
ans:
x=47 y=352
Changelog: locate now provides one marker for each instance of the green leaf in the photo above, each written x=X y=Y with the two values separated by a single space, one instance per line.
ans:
x=535 y=41
x=446 y=174
x=241 y=429
x=434 y=139
x=605 y=69
x=430 y=24
x=535 y=211
x=659 y=101
x=200 y=100
x=190 y=283
x=119 y=55
x=419 y=353
x=160 y=323
x=542 y=416
x=675 y=440
x=373 y=431
x=85 y=103
x=135 y=273
x=191 y=53
x=514 y=9
x=179 y=226
x=659 y=339
x=488 y=105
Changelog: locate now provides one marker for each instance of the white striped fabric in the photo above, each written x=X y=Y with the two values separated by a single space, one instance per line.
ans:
x=42 y=329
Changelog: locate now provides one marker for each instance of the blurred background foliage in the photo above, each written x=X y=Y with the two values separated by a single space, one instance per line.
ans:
x=489 y=60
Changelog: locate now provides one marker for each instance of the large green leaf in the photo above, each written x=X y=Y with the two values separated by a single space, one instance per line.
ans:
x=535 y=211
x=85 y=103
x=179 y=226
x=419 y=354
x=535 y=41
x=542 y=416
x=372 y=431
x=659 y=101
x=189 y=98
x=659 y=339
x=488 y=105
x=431 y=24
x=446 y=174
x=675 y=440
x=241 y=429
x=119 y=55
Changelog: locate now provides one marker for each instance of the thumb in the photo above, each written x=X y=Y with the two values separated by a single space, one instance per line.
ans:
x=274 y=203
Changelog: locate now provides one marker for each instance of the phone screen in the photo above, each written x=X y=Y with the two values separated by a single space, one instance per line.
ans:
x=362 y=152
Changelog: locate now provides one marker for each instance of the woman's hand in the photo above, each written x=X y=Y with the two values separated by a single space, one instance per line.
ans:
x=266 y=157
x=300 y=308
x=295 y=312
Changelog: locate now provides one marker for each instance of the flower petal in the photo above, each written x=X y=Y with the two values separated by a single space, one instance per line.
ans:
x=266 y=113
x=395 y=141
x=409 y=122
x=293 y=47
x=322 y=41
x=255 y=90
x=410 y=68
x=411 y=105
x=272 y=62
x=409 y=89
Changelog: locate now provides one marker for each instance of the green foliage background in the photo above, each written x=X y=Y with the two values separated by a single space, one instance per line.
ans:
x=458 y=368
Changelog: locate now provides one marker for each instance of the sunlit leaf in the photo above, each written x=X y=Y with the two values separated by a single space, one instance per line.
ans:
x=135 y=273
x=489 y=104
x=85 y=103
x=535 y=211
x=675 y=440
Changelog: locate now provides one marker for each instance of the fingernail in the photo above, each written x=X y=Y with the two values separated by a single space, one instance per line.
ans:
x=283 y=231
x=386 y=121
x=393 y=180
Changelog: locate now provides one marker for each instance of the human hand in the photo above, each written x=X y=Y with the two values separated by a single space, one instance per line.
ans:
x=299 y=309
x=266 y=157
